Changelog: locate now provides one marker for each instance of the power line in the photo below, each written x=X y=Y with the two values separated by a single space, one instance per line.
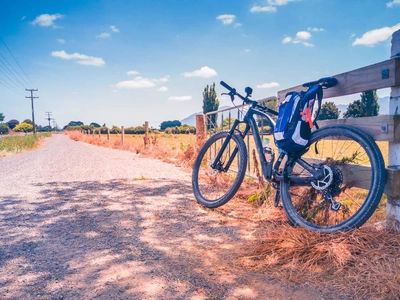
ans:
x=17 y=61
x=10 y=72
x=11 y=88
x=10 y=79
x=17 y=73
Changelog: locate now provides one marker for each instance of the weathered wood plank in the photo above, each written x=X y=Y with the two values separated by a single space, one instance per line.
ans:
x=380 y=128
x=359 y=80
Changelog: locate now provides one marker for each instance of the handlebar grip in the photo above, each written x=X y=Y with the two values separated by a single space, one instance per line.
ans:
x=226 y=86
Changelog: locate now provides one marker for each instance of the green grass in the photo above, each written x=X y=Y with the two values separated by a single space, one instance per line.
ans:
x=20 y=143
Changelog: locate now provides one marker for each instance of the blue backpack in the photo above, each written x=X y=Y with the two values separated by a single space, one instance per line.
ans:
x=293 y=127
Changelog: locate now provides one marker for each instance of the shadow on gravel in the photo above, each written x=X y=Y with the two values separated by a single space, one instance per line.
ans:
x=120 y=239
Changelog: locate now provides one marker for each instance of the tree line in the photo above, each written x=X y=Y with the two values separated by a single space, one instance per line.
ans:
x=24 y=126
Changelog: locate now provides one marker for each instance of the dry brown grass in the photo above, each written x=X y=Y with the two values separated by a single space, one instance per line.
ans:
x=360 y=264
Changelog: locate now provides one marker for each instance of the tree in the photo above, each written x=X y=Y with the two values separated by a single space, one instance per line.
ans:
x=369 y=103
x=328 y=111
x=23 y=127
x=210 y=103
x=366 y=107
x=2 y=117
x=3 y=128
x=73 y=123
x=27 y=121
x=95 y=125
x=353 y=110
x=164 y=125
x=12 y=123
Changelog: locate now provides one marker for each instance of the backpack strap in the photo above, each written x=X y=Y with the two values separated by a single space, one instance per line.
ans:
x=319 y=95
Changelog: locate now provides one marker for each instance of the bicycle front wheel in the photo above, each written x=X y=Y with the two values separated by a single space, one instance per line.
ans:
x=215 y=186
x=351 y=188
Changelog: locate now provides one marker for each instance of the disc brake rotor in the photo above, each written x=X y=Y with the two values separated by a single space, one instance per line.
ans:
x=325 y=182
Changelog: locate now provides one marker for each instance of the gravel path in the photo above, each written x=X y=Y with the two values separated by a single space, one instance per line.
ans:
x=84 y=222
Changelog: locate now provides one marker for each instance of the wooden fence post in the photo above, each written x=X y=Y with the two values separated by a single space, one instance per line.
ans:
x=122 y=134
x=108 y=134
x=146 y=134
x=393 y=202
x=200 y=128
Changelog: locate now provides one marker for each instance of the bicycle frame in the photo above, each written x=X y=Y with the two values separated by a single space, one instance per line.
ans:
x=270 y=173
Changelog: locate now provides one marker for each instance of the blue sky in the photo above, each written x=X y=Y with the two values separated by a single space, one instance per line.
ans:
x=127 y=62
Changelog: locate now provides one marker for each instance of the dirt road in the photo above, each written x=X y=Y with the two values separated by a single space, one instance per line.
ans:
x=84 y=222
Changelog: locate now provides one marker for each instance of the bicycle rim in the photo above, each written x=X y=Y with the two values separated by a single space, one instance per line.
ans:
x=214 y=187
x=354 y=177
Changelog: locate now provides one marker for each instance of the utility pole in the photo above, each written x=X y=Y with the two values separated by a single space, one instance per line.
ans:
x=33 y=112
x=48 y=118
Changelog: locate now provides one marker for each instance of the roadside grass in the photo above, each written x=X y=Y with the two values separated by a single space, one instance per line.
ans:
x=21 y=142
x=358 y=264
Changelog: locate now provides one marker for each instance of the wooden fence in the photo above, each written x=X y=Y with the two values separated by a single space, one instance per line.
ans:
x=384 y=74
x=97 y=132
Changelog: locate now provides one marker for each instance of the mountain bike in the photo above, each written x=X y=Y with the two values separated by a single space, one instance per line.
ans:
x=335 y=184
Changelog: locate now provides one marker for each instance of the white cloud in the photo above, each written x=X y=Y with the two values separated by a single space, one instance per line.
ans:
x=204 y=72
x=46 y=20
x=163 y=89
x=103 y=35
x=257 y=9
x=301 y=38
x=279 y=2
x=114 y=28
x=61 y=41
x=164 y=79
x=80 y=58
x=271 y=7
x=180 y=98
x=237 y=25
x=132 y=73
x=303 y=35
x=268 y=85
x=394 y=2
x=373 y=37
x=137 y=83
x=307 y=44
x=246 y=50
x=226 y=19
x=315 y=29
x=140 y=83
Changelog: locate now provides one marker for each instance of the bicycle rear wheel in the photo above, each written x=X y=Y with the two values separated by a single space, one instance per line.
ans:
x=354 y=178
x=214 y=187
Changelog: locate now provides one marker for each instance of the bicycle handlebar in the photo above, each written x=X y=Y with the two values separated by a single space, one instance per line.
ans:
x=326 y=82
x=226 y=86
